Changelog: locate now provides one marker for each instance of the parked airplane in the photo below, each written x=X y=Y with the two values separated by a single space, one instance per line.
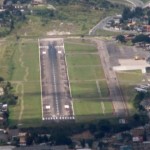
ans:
x=140 y=90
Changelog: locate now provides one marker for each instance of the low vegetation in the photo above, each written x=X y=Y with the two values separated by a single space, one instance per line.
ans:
x=19 y=67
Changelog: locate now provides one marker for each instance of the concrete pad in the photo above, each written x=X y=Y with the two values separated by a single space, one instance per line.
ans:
x=131 y=64
x=48 y=106
x=59 y=52
x=44 y=52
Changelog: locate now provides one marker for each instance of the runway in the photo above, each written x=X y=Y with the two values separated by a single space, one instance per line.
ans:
x=55 y=88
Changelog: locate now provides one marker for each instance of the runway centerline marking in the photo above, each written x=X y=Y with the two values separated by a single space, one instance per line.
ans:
x=55 y=86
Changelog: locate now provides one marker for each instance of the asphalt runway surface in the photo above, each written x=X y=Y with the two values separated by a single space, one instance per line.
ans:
x=56 y=96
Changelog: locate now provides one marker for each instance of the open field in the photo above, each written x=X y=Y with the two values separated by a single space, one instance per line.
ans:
x=105 y=33
x=79 y=47
x=22 y=70
x=88 y=84
x=73 y=19
x=128 y=80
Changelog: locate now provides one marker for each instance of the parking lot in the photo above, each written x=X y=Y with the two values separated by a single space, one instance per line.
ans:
x=55 y=87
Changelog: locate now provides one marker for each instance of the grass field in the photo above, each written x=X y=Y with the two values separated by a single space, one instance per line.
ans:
x=21 y=61
x=128 y=80
x=88 y=85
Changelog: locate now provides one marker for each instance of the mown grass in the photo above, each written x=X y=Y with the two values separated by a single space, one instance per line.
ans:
x=86 y=73
x=84 y=89
x=77 y=59
x=103 y=88
x=81 y=47
x=87 y=107
x=86 y=77
x=108 y=106
x=25 y=77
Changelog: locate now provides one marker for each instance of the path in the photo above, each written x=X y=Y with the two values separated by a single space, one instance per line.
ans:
x=20 y=84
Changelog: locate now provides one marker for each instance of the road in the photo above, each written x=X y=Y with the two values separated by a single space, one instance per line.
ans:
x=100 y=25
x=146 y=4
x=120 y=108
x=136 y=3
x=56 y=96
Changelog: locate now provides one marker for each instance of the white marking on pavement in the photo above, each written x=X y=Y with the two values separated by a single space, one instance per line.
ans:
x=55 y=87
x=100 y=94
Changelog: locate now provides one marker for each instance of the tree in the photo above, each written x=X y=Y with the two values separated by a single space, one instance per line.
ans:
x=104 y=125
x=149 y=21
x=139 y=119
x=120 y=38
x=148 y=13
x=137 y=100
x=138 y=12
x=126 y=13
x=29 y=139
x=141 y=38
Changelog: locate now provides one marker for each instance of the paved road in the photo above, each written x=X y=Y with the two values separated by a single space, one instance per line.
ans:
x=56 y=98
x=119 y=104
x=100 y=25
x=136 y=3
x=146 y=4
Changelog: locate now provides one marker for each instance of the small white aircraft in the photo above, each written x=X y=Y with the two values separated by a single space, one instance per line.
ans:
x=140 y=90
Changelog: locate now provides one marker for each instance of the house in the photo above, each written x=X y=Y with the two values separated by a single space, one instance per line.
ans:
x=116 y=20
x=146 y=145
x=146 y=28
x=3 y=136
x=22 y=138
x=146 y=104
x=137 y=134
x=84 y=135
x=1 y=91
x=3 y=107
x=129 y=37
x=13 y=133
x=37 y=2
